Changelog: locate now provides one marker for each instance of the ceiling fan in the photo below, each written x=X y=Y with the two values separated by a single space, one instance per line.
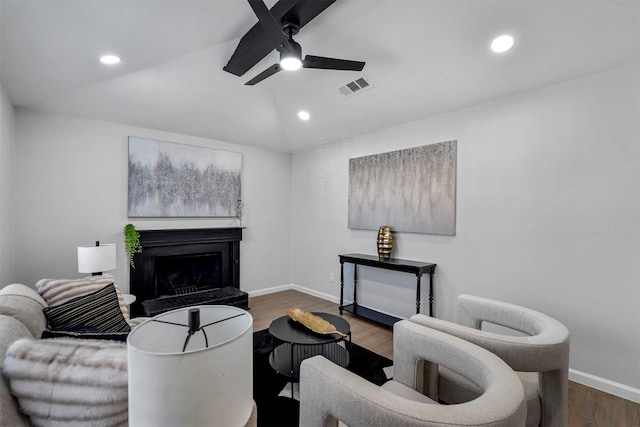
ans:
x=279 y=35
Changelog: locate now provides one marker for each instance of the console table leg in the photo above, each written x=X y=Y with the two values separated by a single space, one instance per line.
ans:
x=418 y=276
x=341 y=307
x=292 y=369
x=431 y=313
x=355 y=285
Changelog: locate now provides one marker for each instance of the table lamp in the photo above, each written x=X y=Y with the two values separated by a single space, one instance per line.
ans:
x=96 y=259
x=192 y=367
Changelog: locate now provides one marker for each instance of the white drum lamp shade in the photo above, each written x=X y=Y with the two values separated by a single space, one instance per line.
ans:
x=96 y=259
x=210 y=383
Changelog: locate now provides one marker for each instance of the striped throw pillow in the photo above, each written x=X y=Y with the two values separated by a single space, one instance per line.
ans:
x=59 y=291
x=99 y=309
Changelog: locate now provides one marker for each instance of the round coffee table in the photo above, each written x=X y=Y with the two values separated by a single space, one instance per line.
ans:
x=292 y=343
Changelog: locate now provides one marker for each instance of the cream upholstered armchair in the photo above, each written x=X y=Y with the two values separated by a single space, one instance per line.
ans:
x=541 y=357
x=329 y=393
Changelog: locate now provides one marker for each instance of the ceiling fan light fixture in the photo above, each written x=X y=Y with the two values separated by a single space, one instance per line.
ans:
x=292 y=60
x=290 y=63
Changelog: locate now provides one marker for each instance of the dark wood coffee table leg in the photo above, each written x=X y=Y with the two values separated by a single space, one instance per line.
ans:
x=292 y=369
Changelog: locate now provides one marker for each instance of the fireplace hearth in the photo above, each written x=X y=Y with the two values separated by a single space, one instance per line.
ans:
x=184 y=267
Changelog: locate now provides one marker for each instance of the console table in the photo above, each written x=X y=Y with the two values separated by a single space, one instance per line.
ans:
x=416 y=267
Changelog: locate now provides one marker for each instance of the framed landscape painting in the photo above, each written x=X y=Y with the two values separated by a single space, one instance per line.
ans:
x=176 y=180
x=411 y=190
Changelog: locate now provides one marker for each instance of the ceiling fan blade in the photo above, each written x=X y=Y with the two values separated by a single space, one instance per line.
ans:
x=271 y=27
x=305 y=10
x=252 y=47
x=263 y=75
x=311 y=61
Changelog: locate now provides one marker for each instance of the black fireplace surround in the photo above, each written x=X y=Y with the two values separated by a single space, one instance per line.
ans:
x=184 y=267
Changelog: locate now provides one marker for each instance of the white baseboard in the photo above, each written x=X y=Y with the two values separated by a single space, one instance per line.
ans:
x=603 y=384
x=317 y=294
x=599 y=383
x=270 y=290
x=302 y=289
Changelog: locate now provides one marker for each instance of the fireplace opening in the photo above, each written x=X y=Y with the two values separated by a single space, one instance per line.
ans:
x=185 y=267
x=183 y=274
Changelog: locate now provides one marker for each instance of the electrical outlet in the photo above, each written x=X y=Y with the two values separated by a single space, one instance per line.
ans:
x=332 y=277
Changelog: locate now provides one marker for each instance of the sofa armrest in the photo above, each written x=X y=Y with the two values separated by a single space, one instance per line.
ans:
x=25 y=305
x=11 y=330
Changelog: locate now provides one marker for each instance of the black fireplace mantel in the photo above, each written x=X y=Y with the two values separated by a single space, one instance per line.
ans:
x=151 y=238
x=159 y=243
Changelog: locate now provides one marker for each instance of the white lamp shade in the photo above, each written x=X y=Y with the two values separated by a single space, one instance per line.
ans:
x=96 y=259
x=203 y=386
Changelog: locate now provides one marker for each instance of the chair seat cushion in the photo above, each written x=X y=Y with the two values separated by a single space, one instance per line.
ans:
x=408 y=393
x=454 y=388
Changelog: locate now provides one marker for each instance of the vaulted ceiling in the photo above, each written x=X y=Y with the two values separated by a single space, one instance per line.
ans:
x=423 y=58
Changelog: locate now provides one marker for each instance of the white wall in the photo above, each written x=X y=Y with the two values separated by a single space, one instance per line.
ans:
x=548 y=216
x=71 y=189
x=7 y=144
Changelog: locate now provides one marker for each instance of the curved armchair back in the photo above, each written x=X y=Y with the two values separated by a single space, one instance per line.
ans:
x=544 y=350
x=546 y=346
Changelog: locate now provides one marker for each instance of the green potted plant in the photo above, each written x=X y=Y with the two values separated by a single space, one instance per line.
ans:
x=131 y=242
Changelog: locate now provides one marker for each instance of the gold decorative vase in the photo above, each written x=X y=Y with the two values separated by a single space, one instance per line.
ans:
x=385 y=242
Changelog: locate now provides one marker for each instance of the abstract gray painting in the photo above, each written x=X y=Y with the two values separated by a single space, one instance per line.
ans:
x=176 y=180
x=411 y=190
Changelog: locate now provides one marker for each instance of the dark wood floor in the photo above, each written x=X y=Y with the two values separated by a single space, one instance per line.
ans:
x=587 y=407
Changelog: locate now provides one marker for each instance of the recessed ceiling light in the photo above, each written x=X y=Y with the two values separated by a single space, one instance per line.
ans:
x=303 y=115
x=502 y=43
x=109 y=59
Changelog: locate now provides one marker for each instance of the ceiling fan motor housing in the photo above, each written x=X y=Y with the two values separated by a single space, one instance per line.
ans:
x=290 y=26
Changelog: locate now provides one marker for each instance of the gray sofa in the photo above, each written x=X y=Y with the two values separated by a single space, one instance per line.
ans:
x=53 y=373
x=66 y=381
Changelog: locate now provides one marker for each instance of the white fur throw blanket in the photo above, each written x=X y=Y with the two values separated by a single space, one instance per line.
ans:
x=67 y=382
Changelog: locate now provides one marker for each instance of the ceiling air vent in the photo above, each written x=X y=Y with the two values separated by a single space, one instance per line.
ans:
x=355 y=86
